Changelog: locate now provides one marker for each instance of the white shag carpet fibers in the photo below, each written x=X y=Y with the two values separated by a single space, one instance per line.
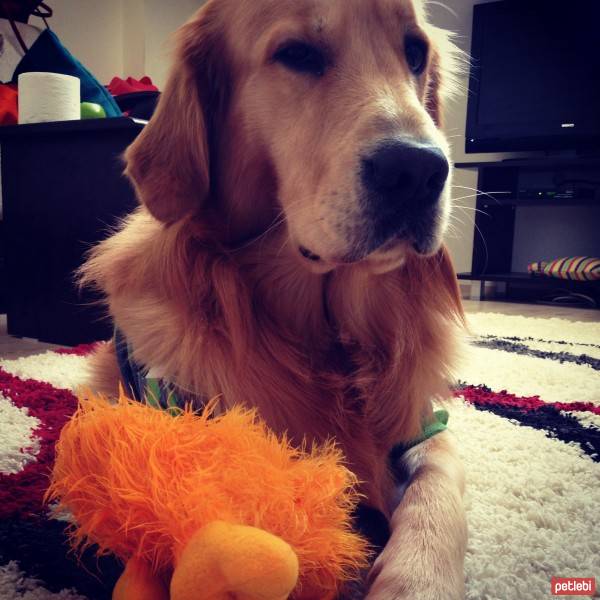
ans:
x=15 y=585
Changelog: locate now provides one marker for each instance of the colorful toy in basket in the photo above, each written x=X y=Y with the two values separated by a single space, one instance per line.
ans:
x=206 y=507
x=576 y=268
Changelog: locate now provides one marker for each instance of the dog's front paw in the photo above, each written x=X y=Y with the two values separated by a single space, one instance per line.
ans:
x=399 y=574
x=393 y=590
x=424 y=557
x=404 y=586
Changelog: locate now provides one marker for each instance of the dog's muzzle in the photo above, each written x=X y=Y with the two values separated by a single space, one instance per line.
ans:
x=403 y=182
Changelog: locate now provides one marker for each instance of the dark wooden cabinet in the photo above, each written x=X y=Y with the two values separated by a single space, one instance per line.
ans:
x=62 y=191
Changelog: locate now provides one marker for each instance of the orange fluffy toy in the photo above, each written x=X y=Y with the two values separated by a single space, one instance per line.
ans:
x=206 y=507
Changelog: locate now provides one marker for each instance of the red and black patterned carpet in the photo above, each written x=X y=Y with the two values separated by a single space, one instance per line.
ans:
x=527 y=419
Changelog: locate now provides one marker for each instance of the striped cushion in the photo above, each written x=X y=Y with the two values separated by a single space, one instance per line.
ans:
x=577 y=268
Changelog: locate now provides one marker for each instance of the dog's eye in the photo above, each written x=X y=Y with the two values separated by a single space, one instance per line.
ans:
x=301 y=57
x=416 y=54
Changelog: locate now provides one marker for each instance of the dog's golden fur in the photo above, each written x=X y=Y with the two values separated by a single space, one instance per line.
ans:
x=242 y=163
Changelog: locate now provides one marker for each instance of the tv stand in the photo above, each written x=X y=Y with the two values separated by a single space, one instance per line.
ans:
x=558 y=157
x=505 y=186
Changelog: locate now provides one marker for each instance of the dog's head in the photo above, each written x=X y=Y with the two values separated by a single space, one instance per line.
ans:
x=323 y=113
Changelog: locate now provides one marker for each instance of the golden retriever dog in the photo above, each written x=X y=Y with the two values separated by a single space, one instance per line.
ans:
x=287 y=254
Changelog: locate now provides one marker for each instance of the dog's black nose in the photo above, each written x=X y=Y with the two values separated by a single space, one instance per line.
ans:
x=404 y=174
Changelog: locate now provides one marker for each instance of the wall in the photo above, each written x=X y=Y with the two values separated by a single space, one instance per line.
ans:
x=92 y=31
x=133 y=15
x=120 y=37
x=160 y=24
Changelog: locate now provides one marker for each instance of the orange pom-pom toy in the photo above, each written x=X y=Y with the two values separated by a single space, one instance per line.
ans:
x=206 y=507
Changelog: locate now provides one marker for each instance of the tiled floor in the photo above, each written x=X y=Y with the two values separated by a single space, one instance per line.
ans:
x=533 y=310
x=11 y=347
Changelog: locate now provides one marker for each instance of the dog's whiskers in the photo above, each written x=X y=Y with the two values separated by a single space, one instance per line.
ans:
x=279 y=220
x=471 y=208
x=282 y=216
x=480 y=193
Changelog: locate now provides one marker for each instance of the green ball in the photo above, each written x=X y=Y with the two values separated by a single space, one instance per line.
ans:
x=91 y=110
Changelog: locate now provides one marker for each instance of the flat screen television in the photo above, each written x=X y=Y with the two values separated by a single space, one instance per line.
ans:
x=535 y=76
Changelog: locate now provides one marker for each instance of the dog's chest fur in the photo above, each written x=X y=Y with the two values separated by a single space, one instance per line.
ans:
x=348 y=356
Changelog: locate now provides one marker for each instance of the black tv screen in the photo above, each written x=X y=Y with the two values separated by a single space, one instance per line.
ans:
x=535 y=76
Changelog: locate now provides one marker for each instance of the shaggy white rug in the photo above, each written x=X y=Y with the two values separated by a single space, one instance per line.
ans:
x=527 y=420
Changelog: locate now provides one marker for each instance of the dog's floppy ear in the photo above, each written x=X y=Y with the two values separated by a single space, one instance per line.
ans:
x=170 y=162
x=444 y=67
x=434 y=93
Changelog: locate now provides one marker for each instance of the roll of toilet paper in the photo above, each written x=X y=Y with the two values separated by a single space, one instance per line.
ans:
x=47 y=97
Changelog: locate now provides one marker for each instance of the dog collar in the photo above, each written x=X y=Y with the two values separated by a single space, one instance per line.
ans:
x=159 y=393
x=141 y=383
x=437 y=425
